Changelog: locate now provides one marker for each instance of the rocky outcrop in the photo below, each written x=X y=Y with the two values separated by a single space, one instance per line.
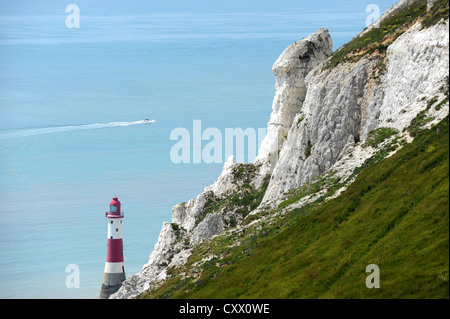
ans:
x=290 y=71
x=320 y=122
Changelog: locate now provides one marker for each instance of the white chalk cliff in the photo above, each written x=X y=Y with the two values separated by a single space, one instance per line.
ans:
x=320 y=121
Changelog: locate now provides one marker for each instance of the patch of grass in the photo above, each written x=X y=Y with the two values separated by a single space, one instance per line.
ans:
x=395 y=214
x=417 y=124
x=373 y=40
x=379 y=155
x=319 y=183
x=445 y=91
x=251 y=200
x=438 y=12
x=308 y=150
x=431 y=102
x=378 y=136
x=244 y=172
x=440 y=105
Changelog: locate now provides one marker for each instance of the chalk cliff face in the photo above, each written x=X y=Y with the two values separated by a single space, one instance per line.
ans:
x=344 y=104
x=290 y=71
x=321 y=120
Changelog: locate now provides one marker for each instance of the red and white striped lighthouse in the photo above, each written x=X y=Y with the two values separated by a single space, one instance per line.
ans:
x=114 y=267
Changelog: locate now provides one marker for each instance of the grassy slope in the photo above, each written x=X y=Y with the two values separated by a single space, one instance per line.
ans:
x=378 y=39
x=375 y=39
x=395 y=215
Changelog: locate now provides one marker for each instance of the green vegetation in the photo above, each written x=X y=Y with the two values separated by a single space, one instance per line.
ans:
x=438 y=12
x=378 y=39
x=244 y=171
x=395 y=214
x=378 y=136
x=308 y=150
x=440 y=105
x=321 y=182
x=242 y=201
x=381 y=154
x=250 y=201
x=445 y=90
x=416 y=125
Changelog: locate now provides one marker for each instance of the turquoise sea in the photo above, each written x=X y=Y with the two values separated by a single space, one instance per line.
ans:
x=72 y=103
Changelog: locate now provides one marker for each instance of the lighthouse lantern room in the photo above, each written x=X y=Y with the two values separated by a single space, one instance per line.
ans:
x=114 y=273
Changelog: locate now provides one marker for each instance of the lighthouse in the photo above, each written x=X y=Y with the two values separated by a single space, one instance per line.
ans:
x=114 y=267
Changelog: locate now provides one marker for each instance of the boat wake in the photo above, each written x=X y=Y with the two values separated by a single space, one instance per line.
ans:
x=46 y=130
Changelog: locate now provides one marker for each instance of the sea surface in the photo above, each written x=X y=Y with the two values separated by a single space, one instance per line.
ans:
x=72 y=105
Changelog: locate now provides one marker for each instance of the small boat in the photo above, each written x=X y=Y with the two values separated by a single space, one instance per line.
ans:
x=148 y=120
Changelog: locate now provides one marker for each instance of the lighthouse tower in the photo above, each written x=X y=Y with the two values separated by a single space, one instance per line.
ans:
x=114 y=268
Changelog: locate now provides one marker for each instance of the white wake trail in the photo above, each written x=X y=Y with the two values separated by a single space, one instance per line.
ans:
x=56 y=129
